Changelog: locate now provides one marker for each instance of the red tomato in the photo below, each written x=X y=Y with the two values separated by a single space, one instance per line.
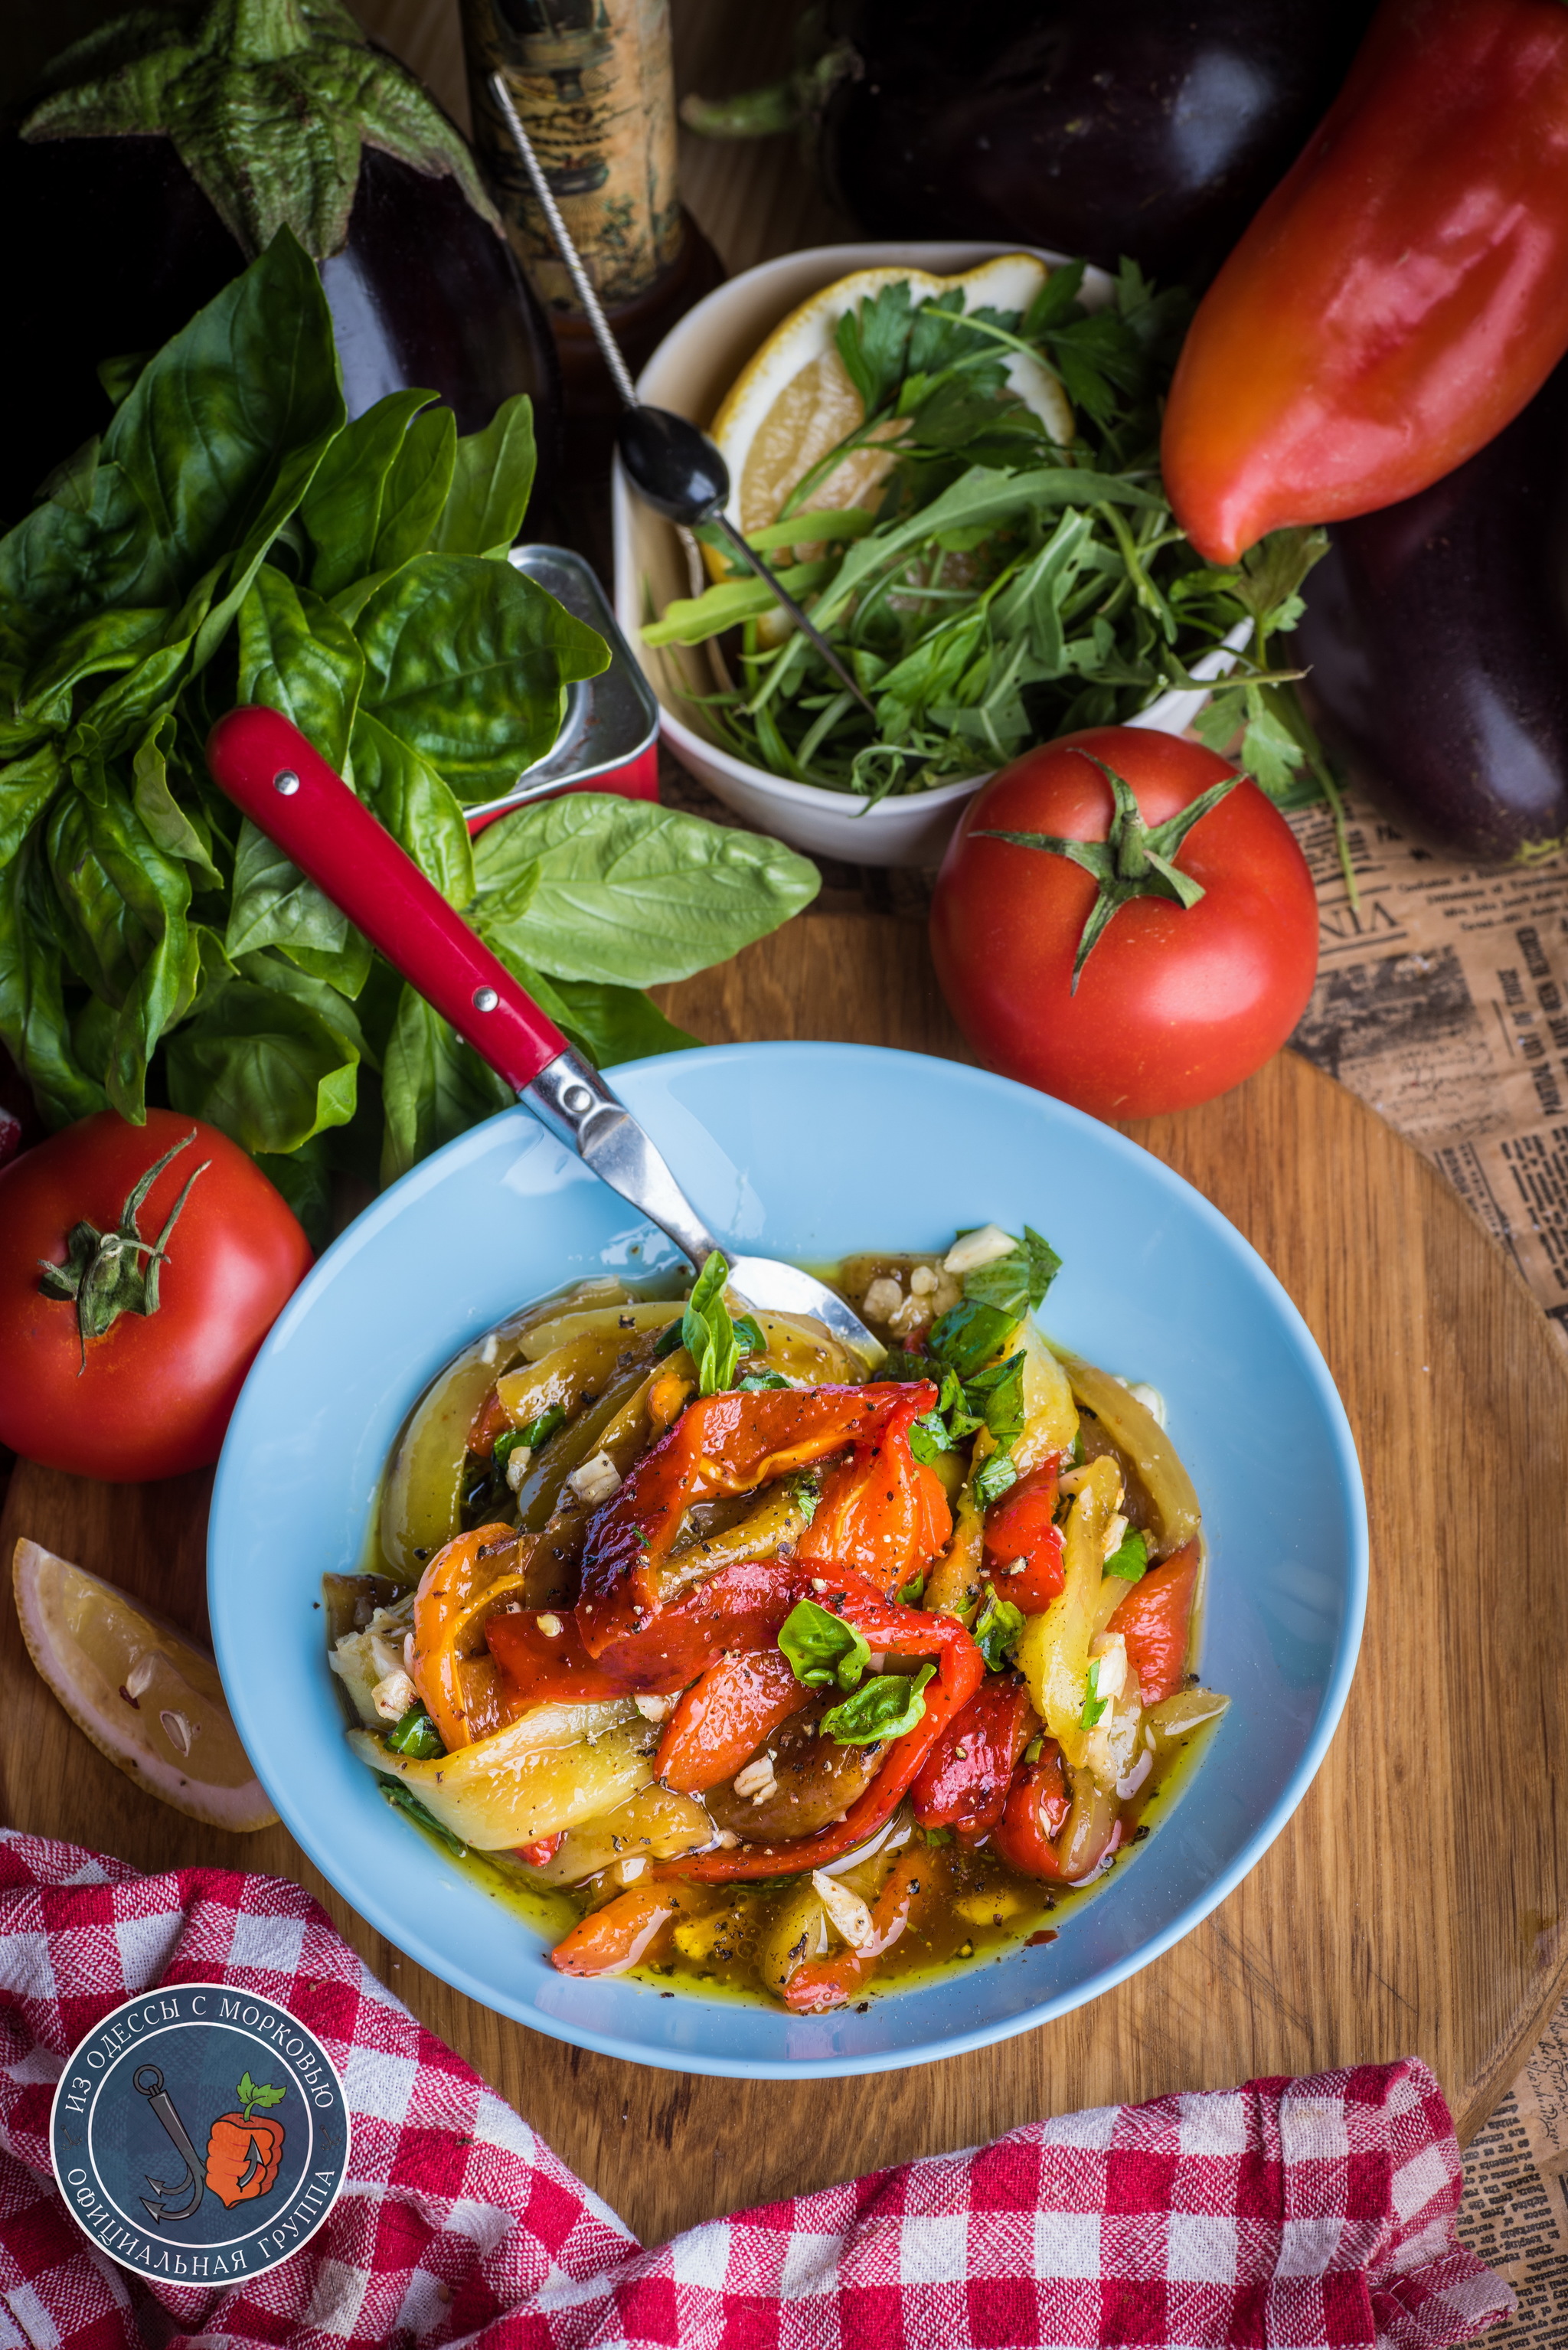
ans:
x=1174 y=1004
x=154 y=1393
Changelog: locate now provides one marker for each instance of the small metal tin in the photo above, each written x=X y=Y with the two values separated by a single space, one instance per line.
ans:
x=608 y=740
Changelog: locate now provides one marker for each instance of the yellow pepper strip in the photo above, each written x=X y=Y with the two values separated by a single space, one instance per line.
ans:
x=1054 y=1651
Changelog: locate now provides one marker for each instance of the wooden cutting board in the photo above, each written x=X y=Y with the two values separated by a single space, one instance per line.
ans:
x=1415 y=1902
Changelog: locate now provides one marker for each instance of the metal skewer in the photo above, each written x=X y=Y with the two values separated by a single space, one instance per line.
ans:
x=672 y=465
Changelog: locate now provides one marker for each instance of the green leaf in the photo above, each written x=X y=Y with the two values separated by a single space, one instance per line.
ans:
x=594 y=887
x=263 y=1065
x=416 y=807
x=1130 y=1560
x=997 y=1395
x=467 y=662
x=970 y=1334
x=121 y=905
x=27 y=787
x=297 y=657
x=823 y=1651
x=997 y=1475
x=707 y=1331
x=343 y=507
x=1015 y=1283
x=872 y=341
x=612 y=1023
x=888 y=1706
x=1094 y=1704
x=402 y=1800
x=415 y=1733
x=274 y=905
x=433 y=1087
x=492 y=481
x=930 y=1437
x=997 y=1630
x=33 y=1021
x=177 y=832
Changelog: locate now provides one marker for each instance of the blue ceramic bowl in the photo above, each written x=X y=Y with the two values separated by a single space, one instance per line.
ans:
x=807 y=1152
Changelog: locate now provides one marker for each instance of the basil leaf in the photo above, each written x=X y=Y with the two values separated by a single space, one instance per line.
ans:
x=178 y=831
x=1130 y=1560
x=418 y=480
x=594 y=887
x=402 y=1800
x=417 y=807
x=32 y=1004
x=823 y=1651
x=297 y=657
x=708 y=1331
x=997 y=1395
x=273 y=904
x=492 y=481
x=996 y=1476
x=912 y=1592
x=929 y=1438
x=757 y=1382
x=612 y=1023
x=415 y=1733
x=970 y=1334
x=885 y=1707
x=341 y=511
x=1094 y=1704
x=27 y=787
x=263 y=1066
x=433 y=1087
x=997 y=1630
x=466 y=662
x=1015 y=1283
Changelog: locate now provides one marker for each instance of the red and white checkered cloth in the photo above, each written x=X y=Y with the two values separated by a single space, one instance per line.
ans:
x=1303 y=2212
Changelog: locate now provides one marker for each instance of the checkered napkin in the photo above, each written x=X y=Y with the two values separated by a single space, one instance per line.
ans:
x=1303 y=2212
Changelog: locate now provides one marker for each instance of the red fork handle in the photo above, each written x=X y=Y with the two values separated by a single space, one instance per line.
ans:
x=288 y=791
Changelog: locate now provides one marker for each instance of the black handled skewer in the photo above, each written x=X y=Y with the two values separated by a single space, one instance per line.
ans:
x=671 y=464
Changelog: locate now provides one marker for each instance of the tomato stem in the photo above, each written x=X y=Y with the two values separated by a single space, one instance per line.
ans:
x=102 y=1276
x=1135 y=858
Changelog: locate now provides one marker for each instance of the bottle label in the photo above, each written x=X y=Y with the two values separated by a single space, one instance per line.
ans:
x=593 y=83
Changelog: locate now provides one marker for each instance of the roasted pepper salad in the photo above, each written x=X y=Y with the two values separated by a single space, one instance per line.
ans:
x=752 y=1666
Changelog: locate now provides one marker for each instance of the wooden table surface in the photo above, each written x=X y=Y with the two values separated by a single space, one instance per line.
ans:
x=1414 y=1903
x=1417 y=1900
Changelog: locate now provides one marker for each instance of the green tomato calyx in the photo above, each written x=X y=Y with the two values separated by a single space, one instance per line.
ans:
x=104 y=1274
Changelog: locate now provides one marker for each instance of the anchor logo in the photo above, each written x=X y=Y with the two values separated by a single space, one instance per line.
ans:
x=243 y=2154
x=164 y=2203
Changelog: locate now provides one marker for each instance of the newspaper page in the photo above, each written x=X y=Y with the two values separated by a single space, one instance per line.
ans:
x=1514 y=2215
x=1442 y=1000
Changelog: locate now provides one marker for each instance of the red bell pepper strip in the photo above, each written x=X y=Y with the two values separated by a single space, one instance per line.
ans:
x=1155 y=1620
x=822 y=1984
x=724 y=1717
x=963 y=1782
x=726 y=1443
x=1034 y=1815
x=1400 y=296
x=739 y=1608
x=897 y=1631
x=1023 y=1526
x=608 y=1940
x=543 y=1848
x=883 y=1512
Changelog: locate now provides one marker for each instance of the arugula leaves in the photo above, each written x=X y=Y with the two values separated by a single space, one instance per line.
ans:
x=1000 y=589
x=823 y=1651
x=232 y=536
x=888 y=1706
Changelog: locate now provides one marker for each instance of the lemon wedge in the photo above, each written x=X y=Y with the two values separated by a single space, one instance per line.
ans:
x=146 y=1696
x=794 y=400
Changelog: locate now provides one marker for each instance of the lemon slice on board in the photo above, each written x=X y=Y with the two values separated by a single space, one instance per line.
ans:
x=146 y=1696
x=794 y=399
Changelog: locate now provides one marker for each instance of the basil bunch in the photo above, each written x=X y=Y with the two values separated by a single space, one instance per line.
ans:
x=233 y=537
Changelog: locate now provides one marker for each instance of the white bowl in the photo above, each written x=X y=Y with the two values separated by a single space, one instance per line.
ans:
x=690 y=372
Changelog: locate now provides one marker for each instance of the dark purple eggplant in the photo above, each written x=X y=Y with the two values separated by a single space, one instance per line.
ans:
x=1436 y=636
x=1095 y=126
x=121 y=245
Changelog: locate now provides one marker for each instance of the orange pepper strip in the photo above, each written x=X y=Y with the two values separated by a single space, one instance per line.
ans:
x=610 y=1939
x=724 y=1717
x=884 y=1513
x=448 y=1617
x=727 y=1444
x=901 y=1631
x=823 y=1983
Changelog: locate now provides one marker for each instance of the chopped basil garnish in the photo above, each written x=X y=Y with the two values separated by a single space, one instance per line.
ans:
x=888 y=1706
x=823 y=1651
x=995 y=1477
x=414 y=1733
x=708 y=1331
x=1093 y=1703
x=996 y=1631
x=396 y=1794
x=970 y=1334
x=1130 y=1557
x=1013 y=1284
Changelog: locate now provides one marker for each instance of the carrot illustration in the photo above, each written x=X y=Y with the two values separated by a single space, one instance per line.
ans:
x=243 y=2154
